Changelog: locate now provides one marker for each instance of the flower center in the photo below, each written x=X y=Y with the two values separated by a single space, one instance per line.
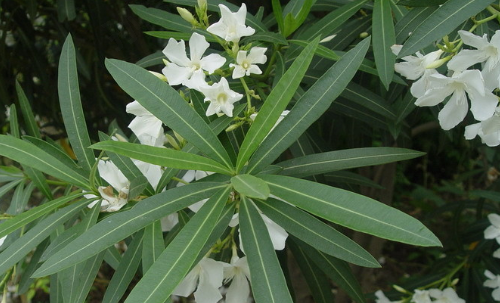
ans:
x=222 y=98
x=245 y=65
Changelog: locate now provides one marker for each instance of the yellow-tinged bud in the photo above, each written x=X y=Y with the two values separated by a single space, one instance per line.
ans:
x=202 y=4
x=186 y=15
x=159 y=76
x=172 y=142
x=400 y=289
x=454 y=282
x=120 y=138
x=233 y=127
x=179 y=137
x=363 y=35
x=438 y=63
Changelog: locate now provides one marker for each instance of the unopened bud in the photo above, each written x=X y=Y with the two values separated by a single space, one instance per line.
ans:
x=438 y=63
x=363 y=35
x=120 y=138
x=233 y=127
x=327 y=39
x=159 y=76
x=454 y=282
x=186 y=15
x=202 y=4
x=172 y=142
x=400 y=289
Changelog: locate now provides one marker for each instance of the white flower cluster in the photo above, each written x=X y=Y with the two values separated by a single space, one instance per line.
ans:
x=191 y=72
x=433 y=295
x=493 y=232
x=460 y=85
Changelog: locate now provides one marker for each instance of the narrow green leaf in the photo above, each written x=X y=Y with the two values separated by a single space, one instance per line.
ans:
x=250 y=186
x=419 y=3
x=332 y=21
x=162 y=18
x=31 y=215
x=316 y=233
x=278 y=14
x=14 y=122
x=369 y=100
x=321 y=51
x=159 y=98
x=315 y=278
x=441 y=22
x=66 y=10
x=268 y=281
x=125 y=271
x=345 y=159
x=337 y=270
x=178 y=258
x=275 y=103
x=411 y=21
x=22 y=246
x=383 y=38
x=155 y=58
x=119 y=226
x=309 y=108
x=266 y=37
x=152 y=245
x=71 y=106
x=177 y=36
x=112 y=257
x=54 y=150
x=137 y=186
x=30 y=155
x=26 y=280
x=39 y=180
x=162 y=156
x=5 y=188
x=351 y=210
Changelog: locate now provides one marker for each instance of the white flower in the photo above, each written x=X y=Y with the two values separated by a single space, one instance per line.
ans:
x=110 y=201
x=239 y=273
x=246 y=63
x=493 y=282
x=195 y=175
x=152 y=172
x=421 y=296
x=493 y=231
x=496 y=253
x=381 y=298
x=415 y=67
x=168 y=222
x=7 y=113
x=469 y=82
x=448 y=295
x=147 y=128
x=488 y=52
x=277 y=234
x=221 y=98
x=488 y=130
x=281 y=117
x=190 y=72
x=206 y=277
x=231 y=26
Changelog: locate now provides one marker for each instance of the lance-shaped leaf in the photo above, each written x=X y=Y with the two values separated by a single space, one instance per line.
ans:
x=31 y=215
x=315 y=278
x=22 y=246
x=345 y=159
x=337 y=270
x=275 y=103
x=54 y=150
x=29 y=119
x=166 y=103
x=162 y=156
x=119 y=226
x=178 y=258
x=316 y=233
x=250 y=186
x=351 y=210
x=309 y=107
x=162 y=18
x=30 y=155
x=369 y=100
x=441 y=22
x=153 y=244
x=125 y=271
x=410 y=21
x=268 y=281
x=71 y=106
x=383 y=38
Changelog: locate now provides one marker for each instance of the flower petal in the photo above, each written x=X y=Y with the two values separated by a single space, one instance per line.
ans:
x=197 y=47
x=454 y=111
x=176 y=52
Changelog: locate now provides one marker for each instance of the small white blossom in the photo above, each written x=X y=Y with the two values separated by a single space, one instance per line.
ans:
x=147 y=128
x=190 y=71
x=496 y=253
x=493 y=231
x=111 y=202
x=493 y=282
x=459 y=86
x=246 y=63
x=488 y=130
x=206 y=277
x=221 y=98
x=238 y=273
x=231 y=26
x=421 y=296
x=381 y=298
x=487 y=52
x=448 y=295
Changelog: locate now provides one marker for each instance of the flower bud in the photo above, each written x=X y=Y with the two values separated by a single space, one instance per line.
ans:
x=202 y=4
x=159 y=76
x=186 y=15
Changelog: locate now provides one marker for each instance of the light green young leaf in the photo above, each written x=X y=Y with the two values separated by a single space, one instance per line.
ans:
x=442 y=22
x=179 y=256
x=345 y=159
x=351 y=210
x=268 y=281
x=250 y=186
x=125 y=271
x=22 y=246
x=309 y=108
x=275 y=103
x=162 y=156
x=166 y=103
x=31 y=215
x=30 y=155
x=119 y=226
x=316 y=233
x=71 y=106
x=278 y=15
x=337 y=270
x=14 y=122
x=383 y=39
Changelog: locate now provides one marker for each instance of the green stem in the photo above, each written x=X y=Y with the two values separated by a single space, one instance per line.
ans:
x=247 y=92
